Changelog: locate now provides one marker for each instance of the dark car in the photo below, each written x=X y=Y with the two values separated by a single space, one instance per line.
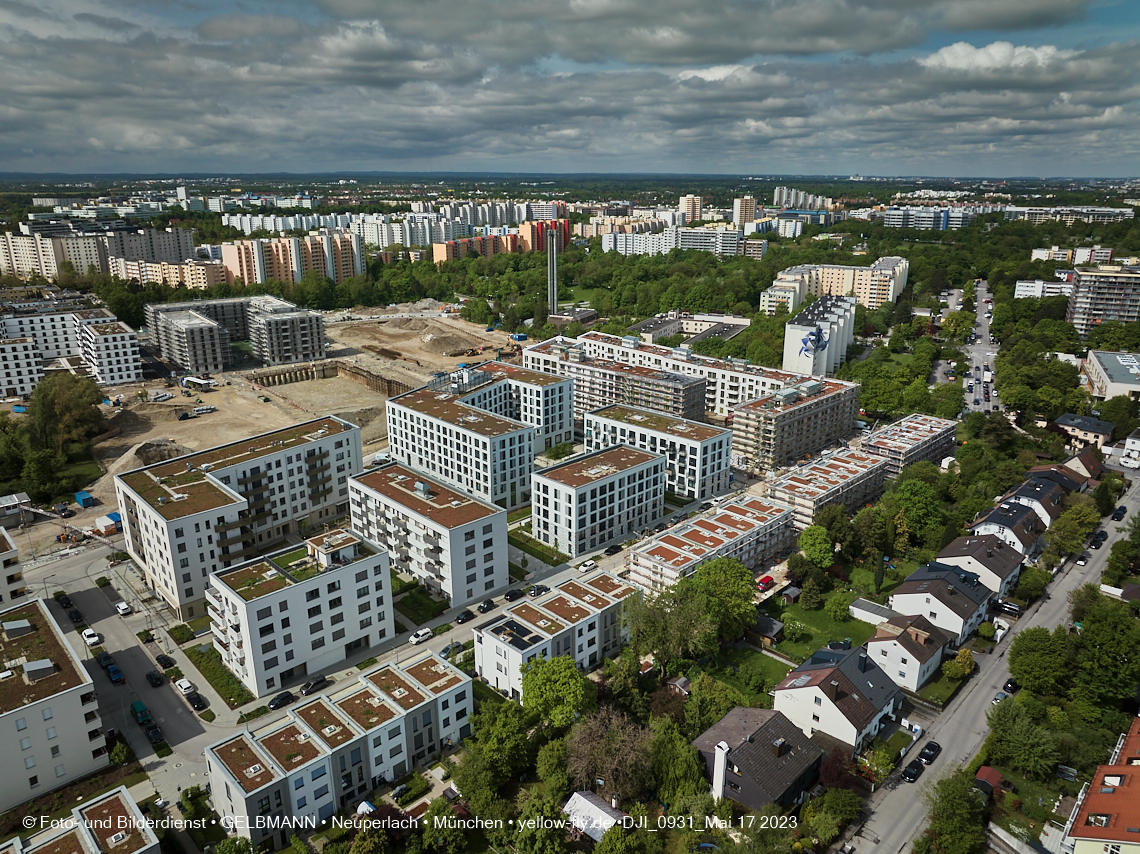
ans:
x=913 y=771
x=464 y=616
x=154 y=734
x=1096 y=544
x=930 y=752
x=115 y=675
x=485 y=606
x=1119 y=513
x=977 y=402
x=1011 y=608
x=75 y=616
x=64 y=601
x=707 y=505
x=165 y=662
x=1010 y=686
x=196 y=701
x=104 y=659
x=613 y=550
x=282 y=699
x=542 y=588
x=313 y=685
x=154 y=678
x=513 y=595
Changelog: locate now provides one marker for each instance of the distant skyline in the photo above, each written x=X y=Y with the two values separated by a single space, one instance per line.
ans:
x=995 y=88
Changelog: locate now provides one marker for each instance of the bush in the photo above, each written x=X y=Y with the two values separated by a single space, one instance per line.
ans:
x=181 y=633
x=207 y=715
x=441 y=630
x=174 y=673
x=837 y=608
x=117 y=557
x=252 y=714
x=209 y=663
x=417 y=788
x=161 y=750
x=986 y=631
x=145 y=636
x=102 y=581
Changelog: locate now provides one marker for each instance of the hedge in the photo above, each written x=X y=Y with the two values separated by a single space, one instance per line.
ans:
x=209 y=663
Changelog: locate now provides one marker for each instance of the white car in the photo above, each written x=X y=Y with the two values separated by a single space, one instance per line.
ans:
x=421 y=635
x=185 y=687
x=122 y=609
x=92 y=637
x=1130 y=462
x=587 y=565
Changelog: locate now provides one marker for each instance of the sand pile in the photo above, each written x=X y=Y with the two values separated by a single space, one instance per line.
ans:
x=449 y=345
x=143 y=454
x=425 y=305
x=412 y=324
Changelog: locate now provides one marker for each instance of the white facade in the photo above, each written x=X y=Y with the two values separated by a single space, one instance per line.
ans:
x=580 y=619
x=719 y=241
x=816 y=339
x=185 y=519
x=485 y=455
x=452 y=543
x=300 y=611
x=591 y=500
x=871 y=286
x=21 y=364
x=996 y=564
x=12 y=584
x=1106 y=374
x=850 y=478
x=915 y=438
x=543 y=401
x=1039 y=288
x=28 y=339
x=790 y=228
x=49 y=714
x=747 y=528
x=328 y=753
x=899 y=662
x=111 y=352
x=957 y=606
x=697 y=455
x=110 y=821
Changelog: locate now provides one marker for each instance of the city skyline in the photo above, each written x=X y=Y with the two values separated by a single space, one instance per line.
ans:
x=878 y=87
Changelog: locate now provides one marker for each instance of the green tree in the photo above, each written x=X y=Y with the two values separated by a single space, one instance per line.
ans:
x=956 y=817
x=1039 y=659
x=810 y=597
x=440 y=832
x=728 y=586
x=557 y=691
x=817 y=546
x=1104 y=498
x=1032 y=583
x=235 y=845
x=64 y=409
x=532 y=836
x=1108 y=652
x=120 y=753
x=709 y=701
x=551 y=769
x=370 y=840
x=837 y=608
x=824 y=826
x=920 y=504
x=612 y=747
x=794 y=630
x=502 y=743
x=961 y=666
x=677 y=767
x=676 y=623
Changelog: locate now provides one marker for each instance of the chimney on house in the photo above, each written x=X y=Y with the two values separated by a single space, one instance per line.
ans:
x=863 y=662
x=831 y=689
x=720 y=767
x=778 y=747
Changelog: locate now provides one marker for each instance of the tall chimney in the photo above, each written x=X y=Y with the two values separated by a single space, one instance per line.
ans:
x=778 y=747
x=720 y=766
x=862 y=662
x=832 y=690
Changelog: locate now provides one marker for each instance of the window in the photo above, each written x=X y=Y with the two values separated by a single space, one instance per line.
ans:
x=47 y=713
x=318 y=643
x=29 y=762
x=301 y=802
x=314 y=611
x=818 y=701
x=25 y=744
x=902 y=674
x=318 y=773
x=33 y=782
x=51 y=733
x=264 y=613
x=815 y=718
x=299 y=783
x=321 y=792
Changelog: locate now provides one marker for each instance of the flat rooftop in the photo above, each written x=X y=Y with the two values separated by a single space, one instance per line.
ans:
x=365 y=708
x=1121 y=368
x=706 y=362
x=398 y=689
x=646 y=419
x=823 y=475
x=329 y=726
x=111 y=815
x=908 y=432
x=444 y=506
x=587 y=469
x=537 y=619
x=810 y=390
x=621 y=368
x=30 y=636
x=447 y=407
x=566 y=609
x=109 y=328
x=290 y=746
x=66 y=843
x=433 y=673
x=244 y=763
x=522 y=375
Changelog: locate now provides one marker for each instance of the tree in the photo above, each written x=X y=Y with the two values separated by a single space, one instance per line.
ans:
x=709 y=701
x=502 y=743
x=817 y=546
x=920 y=504
x=557 y=691
x=834 y=518
x=235 y=845
x=611 y=747
x=794 y=630
x=64 y=409
x=1032 y=583
x=810 y=597
x=728 y=586
x=956 y=817
x=836 y=772
x=551 y=768
x=959 y=667
x=837 y=608
x=372 y=840
x=1104 y=498
x=879 y=763
x=676 y=623
x=824 y=826
x=120 y=753
x=1108 y=652
x=533 y=835
x=440 y=831
x=677 y=767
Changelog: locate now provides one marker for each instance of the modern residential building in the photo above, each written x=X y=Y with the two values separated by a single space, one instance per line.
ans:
x=578 y=618
x=698 y=326
x=871 y=286
x=1017 y=524
x=841 y=693
x=436 y=430
x=1069 y=214
x=915 y=438
x=337 y=254
x=1105 y=374
x=110 y=821
x=784 y=425
x=908 y=649
x=330 y=751
x=750 y=529
x=816 y=339
x=585 y=503
x=13 y=587
x=758 y=757
x=25 y=255
x=743 y=210
x=951 y=598
x=188 y=518
x=22 y=365
x=988 y=557
x=1103 y=293
x=698 y=455
x=252 y=607
x=194 y=335
x=1038 y=288
x=789 y=197
x=850 y=478
x=48 y=707
x=690 y=206
x=452 y=543
x=1053 y=253
x=787 y=294
x=193 y=274
x=172 y=245
x=1084 y=430
x=543 y=401
x=789 y=228
x=600 y=382
x=1105 y=816
x=110 y=352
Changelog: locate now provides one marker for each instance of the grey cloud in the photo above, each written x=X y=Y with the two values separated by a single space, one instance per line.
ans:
x=1011 y=14
x=232 y=28
x=117 y=25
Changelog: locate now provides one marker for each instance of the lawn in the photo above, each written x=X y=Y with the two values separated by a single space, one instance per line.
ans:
x=199 y=623
x=821 y=629
x=209 y=663
x=516 y=572
x=677 y=501
x=940 y=690
x=485 y=694
x=773 y=670
x=897 y=742
x=535 y=549
x=399 y=585
x=519 y=514
x=863 y=580
x=419 y=607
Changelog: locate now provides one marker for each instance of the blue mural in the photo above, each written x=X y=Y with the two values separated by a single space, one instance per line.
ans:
x=813 y=342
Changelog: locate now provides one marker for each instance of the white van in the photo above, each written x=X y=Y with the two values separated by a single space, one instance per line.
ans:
x=421 y=635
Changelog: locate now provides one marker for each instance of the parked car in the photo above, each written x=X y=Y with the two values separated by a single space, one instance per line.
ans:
x=185 y=687
x=196 y=701
x=75 y=616
x=513 y=595
x=913 y=771
x=104 y=660
x=92 y=637
x=421 y=635
x=1010 y=686
x=537 y=590
x=165 y=662
x=154 y=734
x=485 y=606
x=613 y=550
x=999 y=696
x=314 y=685
x=929 y=753
x=1083 y=559
x=450 y=650
x=115 y=674
x=765 y=583
x=706 y=505
x=587 y=565
x=64 y=601
x=1011 y=608
x=281 y=700
x=1119 y=513
x=464 y=616
x=154 y=678
x=122 y=609
x=1096 y=544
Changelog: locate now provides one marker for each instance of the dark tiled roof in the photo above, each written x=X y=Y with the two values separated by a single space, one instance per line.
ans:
x=862 y=691
x=917 y=635
x=1085 y=422
x=989 y=550
x=960 y=591
x=1021 y=519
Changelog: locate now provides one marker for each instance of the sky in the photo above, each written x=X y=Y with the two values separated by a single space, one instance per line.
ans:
x=992 y=88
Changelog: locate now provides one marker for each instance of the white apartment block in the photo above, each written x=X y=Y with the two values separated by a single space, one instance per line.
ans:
x=728 y=382
x=816 y=339
x=172 y=245
x=332 y=594
x=454 y=544
x=111 y=352
x=330 y=751
x=25 y=255
x=783 y=292
x=55 y=332
x=850 y=478
x=750 y=529
x=485 y=455
x=789 y=228
x=48 y=708
x=111 y=821
x=543 y=401
x=910 y=440
x=697 y=455
x=587 y=502
x=1069 y=214
x=1106 y=374
x=22 y=366
x=13 y=587
x=871 y=286
x=784 y=425
x=675 y=322
x=186 y=519
x=720 y=241
x=1053 y=253
x=908 y=649
x=578 y=618
x=1038 y=288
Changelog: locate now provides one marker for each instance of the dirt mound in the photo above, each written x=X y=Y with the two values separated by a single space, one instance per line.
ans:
x=425 y=305
x=412 y=324
x=449 y=345
x=160 y=450
x=142 y=454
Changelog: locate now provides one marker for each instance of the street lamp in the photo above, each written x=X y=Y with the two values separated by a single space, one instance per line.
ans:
x=46 y=580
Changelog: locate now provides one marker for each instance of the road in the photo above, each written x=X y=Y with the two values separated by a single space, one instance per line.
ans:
x=899 y=815
x=979 y=355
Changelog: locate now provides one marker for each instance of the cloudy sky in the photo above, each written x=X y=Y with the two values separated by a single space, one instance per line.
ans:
x=878 y=87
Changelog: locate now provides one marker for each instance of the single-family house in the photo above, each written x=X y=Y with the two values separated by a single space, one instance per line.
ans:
x=951 y=598
x=996 y=564
x=908 y=649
